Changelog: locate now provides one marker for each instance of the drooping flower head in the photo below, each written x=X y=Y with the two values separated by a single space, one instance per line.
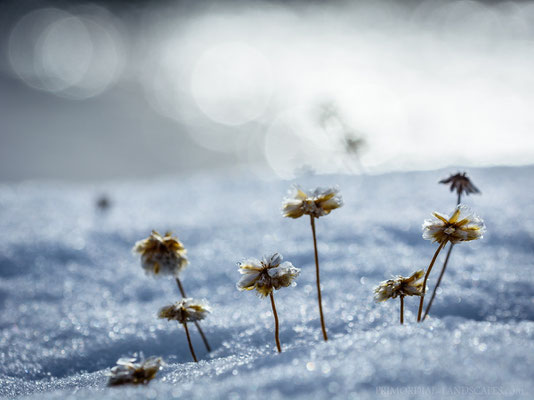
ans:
x=266 y=275
x=185 y=310
x=461 y=183
x=317 y=203
x=128 y=371
x=462 y=226
x=162 y=255
x=400 y=286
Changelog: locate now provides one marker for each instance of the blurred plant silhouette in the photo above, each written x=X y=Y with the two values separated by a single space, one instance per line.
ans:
x=349 y=141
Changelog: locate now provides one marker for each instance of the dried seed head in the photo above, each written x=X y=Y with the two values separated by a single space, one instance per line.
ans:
x=185 y=310
x=266 y=275
x=318 y=203
x=400 y=286
x=461 y=183
x=128 y=371
x=162 y=255
x=462 y=226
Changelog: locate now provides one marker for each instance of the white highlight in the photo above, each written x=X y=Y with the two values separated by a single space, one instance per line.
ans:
x=232 y=83
x=74 y=56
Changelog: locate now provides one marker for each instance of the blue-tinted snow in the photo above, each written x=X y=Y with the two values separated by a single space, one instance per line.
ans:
x=74 y=298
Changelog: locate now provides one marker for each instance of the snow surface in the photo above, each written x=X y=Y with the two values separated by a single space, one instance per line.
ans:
x=74 y=298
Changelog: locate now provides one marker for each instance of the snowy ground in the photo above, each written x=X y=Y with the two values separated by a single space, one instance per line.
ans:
x=74 y=299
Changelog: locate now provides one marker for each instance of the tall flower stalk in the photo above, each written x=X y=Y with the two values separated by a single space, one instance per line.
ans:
x=184 y=311
x=316 y=204
x=265 y=276
x=166 y=256
x=462 y=226
x=400 y=287
x=462 y=184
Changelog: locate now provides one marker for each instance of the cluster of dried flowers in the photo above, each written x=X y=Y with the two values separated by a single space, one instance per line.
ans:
x=462 y=225
x=166 y=256
x=163 y=256
x=270 y=273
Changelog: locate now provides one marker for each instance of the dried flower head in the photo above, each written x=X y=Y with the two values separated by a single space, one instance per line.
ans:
x=400 y=286
x=185 y=310
x=462 y=226
x=266 y=275
x=461 y=183
x=128 y=371
x=162 y=255
x=318 y=203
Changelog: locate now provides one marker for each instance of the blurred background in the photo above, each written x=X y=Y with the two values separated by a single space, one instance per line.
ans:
x=126 y=89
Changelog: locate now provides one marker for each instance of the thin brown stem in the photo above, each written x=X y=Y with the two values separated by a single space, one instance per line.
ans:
x=426 y=278
x=197 y=324
x=438 y=282
x=276 y=328
x=180 y=287
x=189 y=341
x=208 y=348
x=402 y=310
x=319 y=298
x=459 y=198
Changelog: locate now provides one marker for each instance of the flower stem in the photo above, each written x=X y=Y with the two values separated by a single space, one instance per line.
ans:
x=402 y=310
x=189 y=341
x=180 y=287
x=426 y=278
x=197 y=324
x=276 y=328
x=459 y=198
x=438 y=282
x=319 y=298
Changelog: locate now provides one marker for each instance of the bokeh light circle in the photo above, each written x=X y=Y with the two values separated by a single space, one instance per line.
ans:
x=232 y=83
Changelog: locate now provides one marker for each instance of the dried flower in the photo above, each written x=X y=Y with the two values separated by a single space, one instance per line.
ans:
x=461 y=183
x=128 y=371
x=266 y=275
x=320 y=202
x=185 y=310
x=400 y=286
x=462 y=226
x=162 y=255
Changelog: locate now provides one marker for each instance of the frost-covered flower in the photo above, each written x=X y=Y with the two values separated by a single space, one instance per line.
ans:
x=185 y=310
x=266 y=275
x=462 y=226
x=162 y=255
x=400 y=286
x=317 y=203
x=461 y=183
x=128 y=371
